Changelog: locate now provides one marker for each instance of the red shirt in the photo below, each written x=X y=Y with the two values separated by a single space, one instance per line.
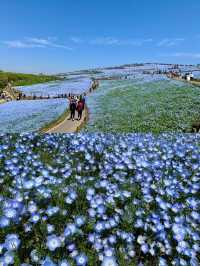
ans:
x=80 y=106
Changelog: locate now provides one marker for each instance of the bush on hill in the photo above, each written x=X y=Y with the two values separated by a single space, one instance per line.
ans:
x=19 y=79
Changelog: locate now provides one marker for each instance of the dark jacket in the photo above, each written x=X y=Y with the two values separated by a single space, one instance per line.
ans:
x=72 y=105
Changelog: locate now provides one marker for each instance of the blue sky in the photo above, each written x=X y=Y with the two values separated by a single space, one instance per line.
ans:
x=62 y=35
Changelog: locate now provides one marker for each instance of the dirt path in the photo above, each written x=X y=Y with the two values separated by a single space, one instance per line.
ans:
x=69 y=126
x=193 y=82
x=2 y=101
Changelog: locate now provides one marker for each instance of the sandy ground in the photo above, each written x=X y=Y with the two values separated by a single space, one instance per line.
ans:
x=69 y=126
x=2 y=101
x=193 y=82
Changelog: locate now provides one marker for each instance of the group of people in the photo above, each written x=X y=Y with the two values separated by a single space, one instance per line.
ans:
x=76 y=104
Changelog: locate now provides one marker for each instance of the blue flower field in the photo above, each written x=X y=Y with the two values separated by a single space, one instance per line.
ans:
x=96 y=199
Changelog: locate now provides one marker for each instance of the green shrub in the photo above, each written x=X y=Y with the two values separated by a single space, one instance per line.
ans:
x=19 y=79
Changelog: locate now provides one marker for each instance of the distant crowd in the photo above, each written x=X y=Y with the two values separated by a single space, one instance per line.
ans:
x=5 y=96
x=76 y=103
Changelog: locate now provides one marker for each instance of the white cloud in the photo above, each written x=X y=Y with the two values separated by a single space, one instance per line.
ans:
x=167 y=42
x=190 y=55
x=35 y=43
x=115 y=41
x=76 y=40
x=184 y=55
x=139 y=42
x=39 y=41
x=104 y=41
x=22 y=44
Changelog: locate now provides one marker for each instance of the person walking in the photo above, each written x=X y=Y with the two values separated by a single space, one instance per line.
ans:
x=80 y=108
x=76 y=99
x=83 y=100
x=72 y=108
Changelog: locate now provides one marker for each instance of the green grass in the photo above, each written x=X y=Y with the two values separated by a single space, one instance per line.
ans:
x=159 y=106
x=19 y=79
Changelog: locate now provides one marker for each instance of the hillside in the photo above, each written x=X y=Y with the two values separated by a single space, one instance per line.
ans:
x=20 y=79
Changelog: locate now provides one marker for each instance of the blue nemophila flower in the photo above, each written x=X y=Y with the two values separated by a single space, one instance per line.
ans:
x=109 y=261
x=99 y=227
x=32 y=207
x=156 y=206
x=145 y=248
x=112 y=239
x=1 y=248
x=79 y=221
x=44 y=218
x=131 y=253
x=69 y=200
x=38 y=181
x=71 y=247
x=109 y=252
x=196 y=247
x=91 y=237
x=64 y=212
x=141 y=239
x=35 y=217
x=74 y=254
x=53 y=242
x=45 y=173
x=101 y=209
x=52 y=211
x=8 y=258
x=73 y=195
x=139 y=223
x=12 y=242
x=72 y=228
x=92 y=212
x=64 y=263
x=35 y=256
x=50 y=228
x=196 y=216
x=67 y=232
x=48 y=262
x=194 y=262
x=162 y=262
x=81 y=260
x=27 y=228
x=4 y=222
x=98 y=246
x=28 y=184
x=10 y=213
x=179 y=232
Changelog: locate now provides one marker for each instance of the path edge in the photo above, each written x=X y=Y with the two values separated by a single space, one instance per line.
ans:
x=46 y=129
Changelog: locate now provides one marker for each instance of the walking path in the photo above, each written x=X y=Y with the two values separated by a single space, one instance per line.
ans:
x=193 y=82
x=69 y=126
x=2 y=101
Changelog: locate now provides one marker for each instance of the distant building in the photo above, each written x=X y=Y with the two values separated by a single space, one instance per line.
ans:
x=189 y=76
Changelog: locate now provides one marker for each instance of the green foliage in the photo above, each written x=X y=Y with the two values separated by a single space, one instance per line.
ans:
x=19 y=79
x=155 y=106
x=3 y=83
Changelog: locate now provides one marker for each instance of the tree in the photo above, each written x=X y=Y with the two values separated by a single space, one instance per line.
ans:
x=3 y=83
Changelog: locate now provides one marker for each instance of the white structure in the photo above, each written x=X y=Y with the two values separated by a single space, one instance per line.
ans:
x=189 y=77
